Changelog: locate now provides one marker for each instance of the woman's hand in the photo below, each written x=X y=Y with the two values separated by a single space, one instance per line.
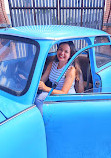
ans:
x=42 y=86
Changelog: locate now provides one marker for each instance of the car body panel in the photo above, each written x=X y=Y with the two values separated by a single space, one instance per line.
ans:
x=10 y=108
x=20 y=135
x=105 y=76
x=78 y=128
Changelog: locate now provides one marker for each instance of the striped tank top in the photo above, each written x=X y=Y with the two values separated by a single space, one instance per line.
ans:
x=55 y=73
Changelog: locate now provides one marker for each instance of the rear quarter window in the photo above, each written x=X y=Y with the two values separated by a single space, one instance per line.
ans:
x=102 y=53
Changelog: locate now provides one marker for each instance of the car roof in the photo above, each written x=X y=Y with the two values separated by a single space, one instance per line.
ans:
x=52 y=32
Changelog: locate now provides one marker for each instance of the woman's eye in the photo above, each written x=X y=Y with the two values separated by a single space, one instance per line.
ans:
x=60 y=49
x=66 y=51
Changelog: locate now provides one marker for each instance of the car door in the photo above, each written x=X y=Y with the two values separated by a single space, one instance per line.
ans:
x=22 y=134
x=78 y=125
x=22 y=131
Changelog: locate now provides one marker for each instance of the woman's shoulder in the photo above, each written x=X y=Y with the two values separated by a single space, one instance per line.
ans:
x=52 y=65
x=71 y=67
x=71 y=70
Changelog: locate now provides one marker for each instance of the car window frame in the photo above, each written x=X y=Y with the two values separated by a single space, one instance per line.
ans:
x=69 y=63
x=25 y=40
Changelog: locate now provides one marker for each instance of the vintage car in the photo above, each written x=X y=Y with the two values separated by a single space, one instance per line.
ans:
x=73 y=125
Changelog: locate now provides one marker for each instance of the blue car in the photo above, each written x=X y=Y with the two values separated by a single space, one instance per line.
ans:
x=73 y=125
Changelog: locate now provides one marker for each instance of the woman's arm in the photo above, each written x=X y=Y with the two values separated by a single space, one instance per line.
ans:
x=70 y=76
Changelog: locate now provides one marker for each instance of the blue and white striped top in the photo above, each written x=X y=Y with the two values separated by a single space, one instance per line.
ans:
x=55 y=73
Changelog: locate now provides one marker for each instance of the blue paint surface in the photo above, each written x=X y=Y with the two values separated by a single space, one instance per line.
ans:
x=78 y=129
x=72 y=126
x=53 y=32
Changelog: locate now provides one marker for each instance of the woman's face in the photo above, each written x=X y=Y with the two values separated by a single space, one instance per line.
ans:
x=63 y=53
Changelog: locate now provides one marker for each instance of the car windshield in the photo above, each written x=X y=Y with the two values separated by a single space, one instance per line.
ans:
x=17 y=59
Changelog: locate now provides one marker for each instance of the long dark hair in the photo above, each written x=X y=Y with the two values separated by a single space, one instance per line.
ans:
x=72 y=49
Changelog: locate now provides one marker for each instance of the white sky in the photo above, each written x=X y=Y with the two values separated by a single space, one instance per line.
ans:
x=6 y=6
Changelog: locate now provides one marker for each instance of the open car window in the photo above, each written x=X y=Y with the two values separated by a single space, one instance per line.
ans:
x=17 y=61
x=96 y=82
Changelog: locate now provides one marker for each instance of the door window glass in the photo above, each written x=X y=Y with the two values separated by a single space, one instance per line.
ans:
x=16 y=64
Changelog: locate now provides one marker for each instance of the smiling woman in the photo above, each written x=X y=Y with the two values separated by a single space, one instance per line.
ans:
x=66 y=85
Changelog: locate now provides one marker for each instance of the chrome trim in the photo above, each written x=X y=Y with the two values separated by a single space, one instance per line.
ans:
x=12 y=117
x=104 y=68
x=51 y=38
x=72 y=101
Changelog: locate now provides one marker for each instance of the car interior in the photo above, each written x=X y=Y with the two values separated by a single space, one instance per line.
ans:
x=82 y=66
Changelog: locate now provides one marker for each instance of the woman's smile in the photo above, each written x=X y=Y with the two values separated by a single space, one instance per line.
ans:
x=61 y=56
